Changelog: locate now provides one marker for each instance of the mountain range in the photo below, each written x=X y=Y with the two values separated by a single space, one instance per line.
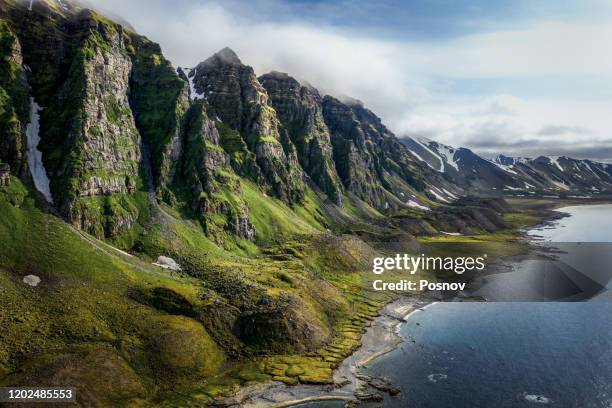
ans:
x=195 y=230
x=514 y=176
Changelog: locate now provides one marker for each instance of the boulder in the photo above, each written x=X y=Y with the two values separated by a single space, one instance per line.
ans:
x=5 y=175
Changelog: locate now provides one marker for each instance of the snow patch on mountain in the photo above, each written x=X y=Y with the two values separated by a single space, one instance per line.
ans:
x=424 y=143
x=554 y=160
x=506 y=168
x=448 y=153
x=190 y=73
x=588 y=167
x=414 y=204
x=438 y=196
x=415 y=154
x=451 y=195
x=510 y=161
x=37 y=169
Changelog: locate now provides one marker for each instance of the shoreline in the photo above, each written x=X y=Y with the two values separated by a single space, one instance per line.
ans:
x=381 y=337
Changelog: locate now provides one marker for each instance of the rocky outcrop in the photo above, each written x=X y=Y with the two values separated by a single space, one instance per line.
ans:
x=104 y=144
x=5 y=174
x=14 y=103
x=360 y=171
x=79 y=71
x=159 y=100
x=236 y=99
x=353 y=162
x=300 y=112
x=110 y=141
x=209 y=176
x=371 y=161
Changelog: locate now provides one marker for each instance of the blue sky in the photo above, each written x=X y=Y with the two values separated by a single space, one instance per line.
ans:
x=484 y=74
x=426 y=20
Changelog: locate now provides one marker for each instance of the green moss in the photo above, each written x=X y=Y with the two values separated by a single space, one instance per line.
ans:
x=81 y=300
x=272 y=218
x=13 y=103
x=158 y=100
x=521 y=220
x=114 y=112
x=268 y=139
x=358 y=208
x=181 y=346
x=236 y=148
x=15 y=193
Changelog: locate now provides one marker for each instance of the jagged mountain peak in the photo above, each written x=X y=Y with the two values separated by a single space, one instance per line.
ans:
x=352 y=102
x=280 y=77
x=509 y=160
x=288 y=83
x=225 y=56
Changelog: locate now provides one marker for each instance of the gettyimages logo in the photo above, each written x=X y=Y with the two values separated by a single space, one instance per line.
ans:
x=432 y=265
x=412 y=264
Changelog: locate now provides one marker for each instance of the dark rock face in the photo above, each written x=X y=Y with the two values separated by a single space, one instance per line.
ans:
x=159 y=100
x=354 y=162
x=370 y=161
x=14 y=102
x=207 y=171
x=236 y=98
x=5 y=175
x=300 y=112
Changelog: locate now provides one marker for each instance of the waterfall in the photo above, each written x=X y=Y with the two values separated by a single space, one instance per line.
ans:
x=37 y=169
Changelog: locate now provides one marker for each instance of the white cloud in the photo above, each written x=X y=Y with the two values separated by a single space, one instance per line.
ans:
x=544 y=48
x=399 y=80
x=576 y=128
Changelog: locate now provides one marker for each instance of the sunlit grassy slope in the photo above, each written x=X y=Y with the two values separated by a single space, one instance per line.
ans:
x=289 y=306
x=161 y=331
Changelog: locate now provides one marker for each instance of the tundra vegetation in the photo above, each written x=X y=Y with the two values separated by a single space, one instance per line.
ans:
x=270 y=198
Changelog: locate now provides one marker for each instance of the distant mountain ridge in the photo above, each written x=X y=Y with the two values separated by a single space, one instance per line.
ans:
x=513 y=175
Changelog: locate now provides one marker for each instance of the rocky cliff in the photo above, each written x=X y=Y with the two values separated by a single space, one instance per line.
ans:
x=300 y=111
x=79 y=69
x=119 y=122
x=373 y=164
x=207 y=172
x=5 y=175
x=240 y=103
x=14 y=101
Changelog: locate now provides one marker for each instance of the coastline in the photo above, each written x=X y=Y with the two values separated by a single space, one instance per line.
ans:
x=380 y=338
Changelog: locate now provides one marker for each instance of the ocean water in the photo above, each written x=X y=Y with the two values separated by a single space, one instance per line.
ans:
x=586 y=223
x=503 y=355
